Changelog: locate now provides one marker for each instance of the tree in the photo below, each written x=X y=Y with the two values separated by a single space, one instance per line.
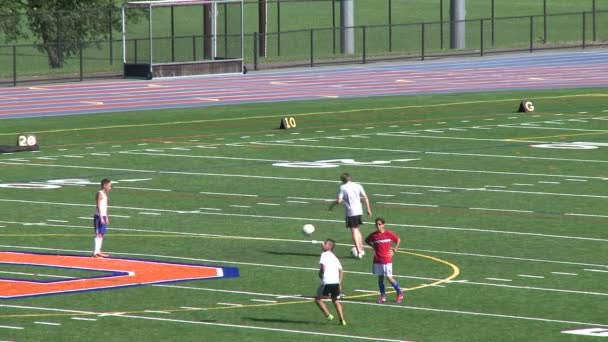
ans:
x=58 y=26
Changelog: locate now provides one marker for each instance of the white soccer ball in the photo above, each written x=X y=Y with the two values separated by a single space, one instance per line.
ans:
x=353 y=252
x=308 y=229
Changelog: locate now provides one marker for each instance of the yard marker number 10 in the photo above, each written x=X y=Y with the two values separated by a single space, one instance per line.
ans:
x=288 y=122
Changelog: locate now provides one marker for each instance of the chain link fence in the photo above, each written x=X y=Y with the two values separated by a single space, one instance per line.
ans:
x=30 y=63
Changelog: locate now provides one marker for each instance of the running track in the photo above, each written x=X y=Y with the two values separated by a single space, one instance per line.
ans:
x=526 y=71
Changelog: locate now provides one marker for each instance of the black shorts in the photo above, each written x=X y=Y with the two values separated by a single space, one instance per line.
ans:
x=329 y=290
x=353 y=221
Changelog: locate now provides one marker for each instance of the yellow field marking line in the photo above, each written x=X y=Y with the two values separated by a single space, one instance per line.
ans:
x=455 y=273
x=303 y=114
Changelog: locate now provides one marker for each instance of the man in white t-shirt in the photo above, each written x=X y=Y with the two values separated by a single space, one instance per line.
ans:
x=331 y=274
x=351 y=194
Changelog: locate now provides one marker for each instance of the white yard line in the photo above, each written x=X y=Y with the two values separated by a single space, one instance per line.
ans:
x=158 y=211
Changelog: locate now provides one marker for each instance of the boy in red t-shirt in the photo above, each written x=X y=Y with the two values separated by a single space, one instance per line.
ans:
x=381 y=240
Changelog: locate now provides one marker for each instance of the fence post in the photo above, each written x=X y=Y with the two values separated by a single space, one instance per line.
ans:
x=333 y=24
x=531 y=33
x=363 y=44
x=172 y=35
x=311 y=48
x=135 y=51
x=481 y=35
x=80 y=60
x=255 y=51
x=594 y=17
x=545 y=21
x=493 y=22
x=422 y=39
x=390 y=26
x=111 y=42
x=14 y=65
x=441 y=24
x=193 y=47
x=584 y=29
x=278 y=27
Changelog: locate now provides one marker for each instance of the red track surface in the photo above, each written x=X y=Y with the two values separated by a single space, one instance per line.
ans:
x=543 y=71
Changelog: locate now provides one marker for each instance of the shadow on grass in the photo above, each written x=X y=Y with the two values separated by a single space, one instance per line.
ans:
x=277 y=320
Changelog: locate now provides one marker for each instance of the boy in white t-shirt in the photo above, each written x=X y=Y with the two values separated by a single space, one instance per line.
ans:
x=331 y=274
x=351 y=194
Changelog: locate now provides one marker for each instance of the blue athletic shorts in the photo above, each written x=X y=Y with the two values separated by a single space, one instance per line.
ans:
x=99 y=227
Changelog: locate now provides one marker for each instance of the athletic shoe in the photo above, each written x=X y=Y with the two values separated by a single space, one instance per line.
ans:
x=330 y=317
x=381 y=300
x=342 y=322
x=97 y=256
x=399 y=298
x=103 y=255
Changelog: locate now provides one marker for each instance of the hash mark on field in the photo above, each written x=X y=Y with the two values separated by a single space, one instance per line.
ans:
x=239 y=206
x=301 y=202
x=191 y=308
x=546 y=182
x=158 y=312
x=216 y=209
x=499 y=279
x=411 y=204
x=523 y=184
x=584 y=215
x=229 y=304
x=10 y=327
x=227 y=194
x=530 y=276
x=505 y=210
x=263 y=300
x=411 y=193
x=383 y=195
x=47 y=323
x=565 y=273
x=148 y=213
x=265 y=203
x=576 y=180
x=84 y=319
x=592 y=270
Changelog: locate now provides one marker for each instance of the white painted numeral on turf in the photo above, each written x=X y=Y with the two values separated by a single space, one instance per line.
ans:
x=330 y=163
x=601 y=332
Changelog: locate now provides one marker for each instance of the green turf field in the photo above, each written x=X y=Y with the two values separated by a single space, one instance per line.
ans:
x=502 y=216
